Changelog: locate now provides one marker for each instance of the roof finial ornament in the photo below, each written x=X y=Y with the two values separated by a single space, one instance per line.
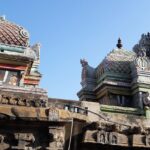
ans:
x=119 y=44
x=83 y=62
x=2 y=18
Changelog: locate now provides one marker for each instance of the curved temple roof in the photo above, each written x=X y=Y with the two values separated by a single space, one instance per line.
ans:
x=117 y=61
x=12 y=34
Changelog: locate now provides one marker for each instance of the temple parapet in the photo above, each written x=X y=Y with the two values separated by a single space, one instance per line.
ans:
x=20 y=96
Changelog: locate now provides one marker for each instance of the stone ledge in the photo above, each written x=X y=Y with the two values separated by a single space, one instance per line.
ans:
x=44 y=114
x=125 y=110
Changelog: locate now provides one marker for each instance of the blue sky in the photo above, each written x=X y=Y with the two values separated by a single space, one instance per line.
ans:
x=69 y=30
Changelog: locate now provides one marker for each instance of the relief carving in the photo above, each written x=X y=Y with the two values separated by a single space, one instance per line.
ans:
x=3 y=145
x=102 y=137
x=40 y=103
x=57 y=138
x=53 y=114
x=142 y=50
x=113 y=138
x=13 y=80
x=84 y=64
x=4 y=99
x=21 y=102
x=25 y=141
x=146 y=99
x=12 y=100
x=107 y=137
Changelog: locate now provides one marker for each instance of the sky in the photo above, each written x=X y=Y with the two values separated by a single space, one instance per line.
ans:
x=70 y=30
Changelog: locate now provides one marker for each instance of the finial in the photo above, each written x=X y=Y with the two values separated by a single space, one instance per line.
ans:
x=119 y=44
x=83 y=62
x=2 y=17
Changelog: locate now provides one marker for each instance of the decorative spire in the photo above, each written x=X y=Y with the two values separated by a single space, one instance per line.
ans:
x=119 y=44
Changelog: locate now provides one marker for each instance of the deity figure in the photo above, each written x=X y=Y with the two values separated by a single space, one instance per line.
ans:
x=36 y=49
x=22 y=78
x=25 y=141
x=102 y=138
x=84 y=64
x=146 y=99
x=13 y=80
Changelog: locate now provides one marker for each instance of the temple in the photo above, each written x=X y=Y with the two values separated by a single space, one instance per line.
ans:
x=113 y=110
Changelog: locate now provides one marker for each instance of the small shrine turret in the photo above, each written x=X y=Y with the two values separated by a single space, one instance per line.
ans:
x=19 y=61
x=19 y=64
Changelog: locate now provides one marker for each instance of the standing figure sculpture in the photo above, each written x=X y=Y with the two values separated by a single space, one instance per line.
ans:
x=146 y=99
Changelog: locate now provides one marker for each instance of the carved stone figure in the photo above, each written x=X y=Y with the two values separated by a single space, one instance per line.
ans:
x=139 y=50
x=1 y=138
x=36 y=49
x=56 y=138
x=13 y=100
x=53 y=114
x=113 y=138
x=40 y=103
x=21 y=101
x=88 y=75
x=146 y=99
x=105 y=137
x=84 y=63
x=5 y=99
x=3 y=145
x=13 y=80
x=101 y=137
x=142 y=49
x=21 y=83
x=24 y=140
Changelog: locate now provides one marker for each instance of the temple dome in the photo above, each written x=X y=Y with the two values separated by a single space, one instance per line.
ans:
x=12 y=34
x=117 y=61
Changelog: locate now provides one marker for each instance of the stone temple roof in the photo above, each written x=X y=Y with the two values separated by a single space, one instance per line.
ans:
x=12 y=34
x=117 y=61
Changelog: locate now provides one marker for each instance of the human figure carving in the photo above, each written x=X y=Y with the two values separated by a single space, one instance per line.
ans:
x=1 y=138
x=36 y=49
x=5 y=99
x=13 y=101
x=57 y=140
x=3 y=145
x=13 y=80
x=84 y=63
x=24 y=140
x=114 y=139
x=102 y=138
x=21 y=102
x=146 y=99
